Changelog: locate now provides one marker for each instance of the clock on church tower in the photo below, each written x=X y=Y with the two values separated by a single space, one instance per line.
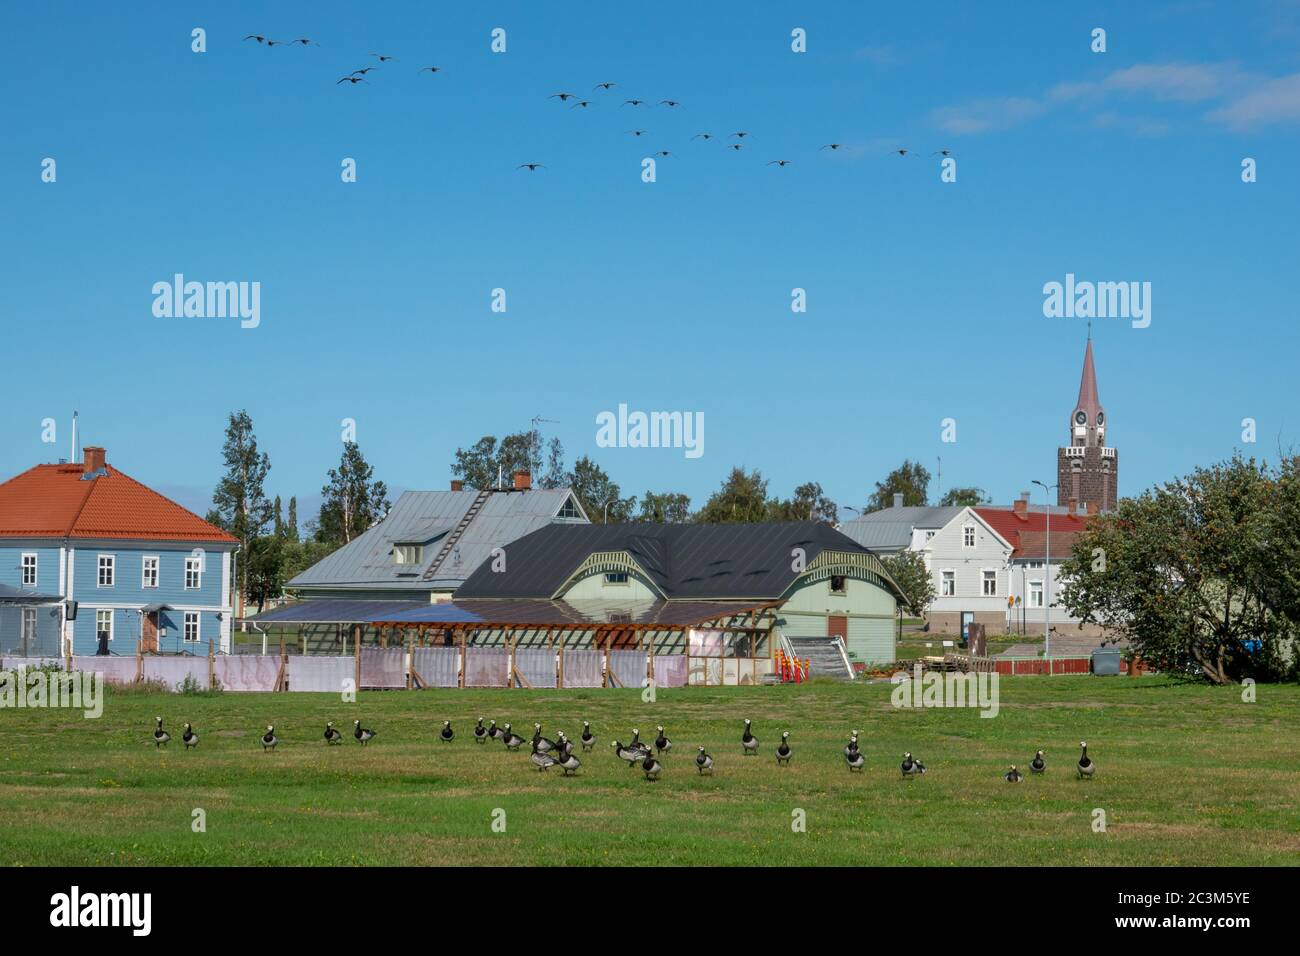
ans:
x=1087 y=471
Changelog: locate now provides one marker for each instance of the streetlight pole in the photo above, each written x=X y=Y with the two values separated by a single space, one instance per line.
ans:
x=1047 y=572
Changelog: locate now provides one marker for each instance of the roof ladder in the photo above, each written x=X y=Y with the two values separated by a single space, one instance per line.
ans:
x=456 y=532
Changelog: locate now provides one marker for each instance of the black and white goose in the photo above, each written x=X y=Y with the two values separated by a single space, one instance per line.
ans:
x=568 y=763
x=542 y=761
x=748 y=742
x=651 y=766
x=269 y=739
x=332 y=736
x=588 y=738
x=363 y=735
x=635 y=743
x=446 y=734
x=854 y=758
x=563 y=745
x=160 y=736
x=662 y=743
x=540 y=743
x=1013 y=775
x=480 y=732
x=190 y=737
x=629 y=754
x=1085 y=766
x=703 y=762
x=783 y=751
x=852 y=746
x=911 y=767
x=511 y=739
x=494 y=732
x=1038 y=764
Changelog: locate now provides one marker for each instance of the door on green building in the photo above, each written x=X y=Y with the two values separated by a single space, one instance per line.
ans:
x=837 y=625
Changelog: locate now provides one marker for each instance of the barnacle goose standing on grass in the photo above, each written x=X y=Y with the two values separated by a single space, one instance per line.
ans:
x=540 y=743
x=190 y=737
x=651 y=766
x=636 y=744
x=480 y=732
x=854 y=759
x=1086 y=767
x=748 y=742
x=662 y=743
x=332 y=736
x=511 y=739
x=1038 y=764
x=588 y=738
x=268 y=739
x=911 y=767
x=783 y=751
x=160 y=736
x=703 y=762
x=568 y=762
x=361 y=733
x=1013 y=775
x=541 y=760
x=626 y=753
x=563 y=745
x=852 y=746
x=494 y=731
x=446 y=733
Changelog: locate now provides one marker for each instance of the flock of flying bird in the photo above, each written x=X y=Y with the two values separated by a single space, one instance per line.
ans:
x=740 y=136
x=546 y=753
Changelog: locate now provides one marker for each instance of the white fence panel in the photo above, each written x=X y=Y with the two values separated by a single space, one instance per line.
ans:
x=536 y=665
x=173 y=671
x=116 y=670
x=584 y=668
x=383 y=667
x=437 y=666
x=486 y=666
x=628 y=667
x=670 y=671
x=332 y=674
x=247 y=671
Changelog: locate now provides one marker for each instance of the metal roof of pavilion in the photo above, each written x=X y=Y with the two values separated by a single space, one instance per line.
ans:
x=10 y=595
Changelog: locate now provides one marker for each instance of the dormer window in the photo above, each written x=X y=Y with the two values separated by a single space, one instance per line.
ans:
x=839 y=584
x=616 y=577
x=570 y=509
x=408 y=554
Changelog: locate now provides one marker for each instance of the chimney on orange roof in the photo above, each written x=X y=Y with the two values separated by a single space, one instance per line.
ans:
x=1021 y=504
x=92 y=459
x=523 y=481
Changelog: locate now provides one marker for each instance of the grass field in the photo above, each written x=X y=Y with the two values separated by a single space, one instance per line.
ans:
x=1186 y=775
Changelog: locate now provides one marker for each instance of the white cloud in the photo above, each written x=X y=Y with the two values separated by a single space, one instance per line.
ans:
x=1272 y=101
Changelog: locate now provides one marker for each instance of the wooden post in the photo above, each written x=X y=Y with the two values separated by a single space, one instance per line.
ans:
x=410 y=657
x=67 y=645
x=212 y=665
x=510 y=661
x=356 y=652
x=560 y=681
x=460 y=673
x=139 y=663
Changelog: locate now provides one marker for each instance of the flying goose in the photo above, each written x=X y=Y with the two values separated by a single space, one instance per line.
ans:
x=268 y=739
x=446 y=734
x=748 y=742
x=662 y=743
x=480 y=732
x=160 y=736
x=629 y=754
x=361 y=733
x=1013 y=775
x=1085 y=766
x=190 y=737
x=651 y=766
x=911 y=767
x=703 y=762
x=511 y=739
x=332 y=736
x=1038 y=764
x=783 y=751
x=588 y=738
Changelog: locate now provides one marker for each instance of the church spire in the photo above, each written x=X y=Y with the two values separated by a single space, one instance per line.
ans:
x=1088 y=400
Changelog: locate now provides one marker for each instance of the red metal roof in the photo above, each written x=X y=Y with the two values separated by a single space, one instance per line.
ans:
x=1011 y=525
x=51 y=501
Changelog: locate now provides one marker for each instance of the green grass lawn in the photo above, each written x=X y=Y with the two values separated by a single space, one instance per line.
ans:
x=1187 y=775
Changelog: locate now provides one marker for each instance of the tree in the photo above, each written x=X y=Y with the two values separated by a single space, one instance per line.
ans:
x=555 y=476
x=1180 y=572
x=298 y=556
x=279 y=518
x=477 y=466
x=909 y=572
x=808 y=504
x=265 y=566
x=962 y=497
x=911 y=479
x=666 y=508
x=595 y=490
x=520 y=452
x=742 y=498
x=351 y=500
x=239 y=504
x=485 y=460
x=291 y=530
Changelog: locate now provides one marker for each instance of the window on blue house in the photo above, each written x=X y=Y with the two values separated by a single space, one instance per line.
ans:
x=191 y=627
x=29 y=570
x=103 y=624
x=107 y=568
x=149 y=573
x=193 y=574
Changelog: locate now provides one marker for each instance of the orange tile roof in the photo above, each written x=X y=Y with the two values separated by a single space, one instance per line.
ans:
x=51 y=501
x=1009 y=524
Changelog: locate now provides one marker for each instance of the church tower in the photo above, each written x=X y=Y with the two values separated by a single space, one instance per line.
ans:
x=1088 y=471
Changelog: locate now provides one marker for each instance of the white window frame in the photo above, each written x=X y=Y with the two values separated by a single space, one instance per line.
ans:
x=194 y=567
x=611 y=579
x=111 y=616
x=108 y=561
x=28 y=631
x=416 y=550
x=197 y=619
x=946 y=576
x=984 y=582
x=968 y=530
x=34 y=565
x=1036 y=586
x=144 y=571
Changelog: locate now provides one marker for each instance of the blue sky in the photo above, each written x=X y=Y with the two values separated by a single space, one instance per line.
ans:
x=924 y=298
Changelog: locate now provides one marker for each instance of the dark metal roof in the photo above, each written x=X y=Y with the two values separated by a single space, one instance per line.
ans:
x=685 y=561
x=10 y=595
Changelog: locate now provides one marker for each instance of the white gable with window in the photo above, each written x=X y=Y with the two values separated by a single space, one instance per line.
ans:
x=968 y=561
